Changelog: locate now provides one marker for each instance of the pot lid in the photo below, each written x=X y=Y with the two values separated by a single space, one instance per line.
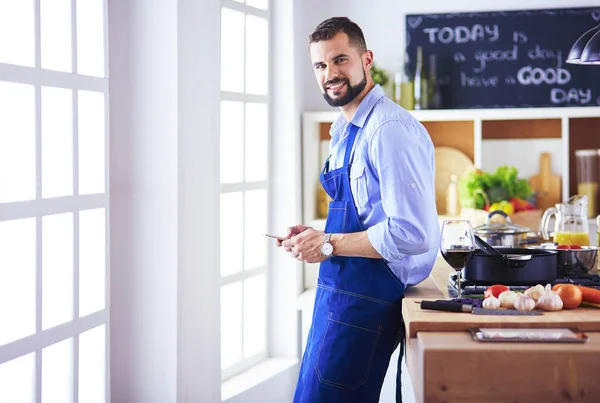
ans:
x=507 y=227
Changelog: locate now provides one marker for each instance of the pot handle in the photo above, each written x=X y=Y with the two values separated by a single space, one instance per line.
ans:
x=546 y=220
x=493 y=213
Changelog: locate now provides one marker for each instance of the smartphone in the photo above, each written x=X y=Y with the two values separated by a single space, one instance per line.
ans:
x=279 y=238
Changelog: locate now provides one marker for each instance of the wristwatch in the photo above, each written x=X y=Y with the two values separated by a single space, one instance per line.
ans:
x=326 y=246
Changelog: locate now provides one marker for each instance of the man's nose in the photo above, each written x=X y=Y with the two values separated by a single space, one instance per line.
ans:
x=331 y=73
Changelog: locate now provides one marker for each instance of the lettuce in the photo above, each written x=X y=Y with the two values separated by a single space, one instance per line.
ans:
x=504 y=183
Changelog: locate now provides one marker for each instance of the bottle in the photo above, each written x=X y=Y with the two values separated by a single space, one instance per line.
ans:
x=598 y=230
x=420 y=82
x=435 y=94
x=452 y=206
x=403 y=91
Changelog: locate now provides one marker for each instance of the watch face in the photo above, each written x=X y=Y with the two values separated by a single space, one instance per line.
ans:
x=327 y=249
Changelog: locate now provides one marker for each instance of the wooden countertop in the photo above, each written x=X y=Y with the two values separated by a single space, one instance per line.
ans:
x=435 y=287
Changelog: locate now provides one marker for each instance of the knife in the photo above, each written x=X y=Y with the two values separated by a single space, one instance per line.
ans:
x=468 y=308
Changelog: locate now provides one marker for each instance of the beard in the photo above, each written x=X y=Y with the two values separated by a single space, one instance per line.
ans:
x=351 y=91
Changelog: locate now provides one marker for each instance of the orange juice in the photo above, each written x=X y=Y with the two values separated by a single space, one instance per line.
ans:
x=572 y=238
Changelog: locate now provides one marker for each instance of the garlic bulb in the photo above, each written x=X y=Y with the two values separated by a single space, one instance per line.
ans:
x=524 y=303
x=491 y=302
x=535 y=292
x=550 y=300
x=507 y=299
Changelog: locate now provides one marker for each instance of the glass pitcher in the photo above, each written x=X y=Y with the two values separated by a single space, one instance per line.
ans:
x=570 y=227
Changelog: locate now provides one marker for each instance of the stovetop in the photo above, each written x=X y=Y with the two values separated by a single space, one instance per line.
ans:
x=469 y=288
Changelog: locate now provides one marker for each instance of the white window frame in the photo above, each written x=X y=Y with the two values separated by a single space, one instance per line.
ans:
x=76 y=203
x=243 y=186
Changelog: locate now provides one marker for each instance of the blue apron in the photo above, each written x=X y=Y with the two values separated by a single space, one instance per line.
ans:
x=357 y=314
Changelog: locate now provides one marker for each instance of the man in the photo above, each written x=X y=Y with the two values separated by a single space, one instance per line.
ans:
x=382 y=231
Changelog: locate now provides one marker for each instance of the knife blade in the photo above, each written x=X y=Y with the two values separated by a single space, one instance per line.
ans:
x=468 y=308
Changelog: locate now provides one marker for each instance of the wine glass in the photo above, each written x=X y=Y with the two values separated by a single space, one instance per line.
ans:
x=457 y=245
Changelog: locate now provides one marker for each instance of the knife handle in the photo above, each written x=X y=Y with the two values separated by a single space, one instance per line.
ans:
x=445 y=306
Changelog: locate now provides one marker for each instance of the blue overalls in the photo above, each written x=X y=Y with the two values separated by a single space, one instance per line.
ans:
x=357 y=313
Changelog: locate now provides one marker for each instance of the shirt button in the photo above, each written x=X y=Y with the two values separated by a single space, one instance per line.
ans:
x=413 y=185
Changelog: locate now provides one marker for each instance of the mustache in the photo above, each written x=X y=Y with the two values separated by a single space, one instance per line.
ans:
x=334 y=81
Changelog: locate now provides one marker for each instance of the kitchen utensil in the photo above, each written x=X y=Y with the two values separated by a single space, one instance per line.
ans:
x=573 y=262
x=502 y=234
x=494 y=252
x=457 y=245
x=546 y=185
x=570 y=226
x=468 y=308
x=517 y=266
x=448 y=161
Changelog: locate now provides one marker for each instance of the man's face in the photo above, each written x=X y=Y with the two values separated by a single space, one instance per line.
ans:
x=340 y=69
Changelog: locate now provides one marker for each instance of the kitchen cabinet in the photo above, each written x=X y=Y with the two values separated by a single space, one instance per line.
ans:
x=478 y=133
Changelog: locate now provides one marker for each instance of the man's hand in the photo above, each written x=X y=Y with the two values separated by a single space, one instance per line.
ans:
x=305 y=245
x=292 y=231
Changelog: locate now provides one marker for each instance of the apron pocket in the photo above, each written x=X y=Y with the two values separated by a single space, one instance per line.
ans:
x=347 y=351
x=336 y=216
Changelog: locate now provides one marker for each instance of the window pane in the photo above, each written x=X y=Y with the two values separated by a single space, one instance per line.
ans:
x=92 y=271
x=57 y=372
x=232 y=50
x=257 y=54
x=16 y=23
x=255 y=315
x=57 y=142
x=92 y=365
x=256 y=142
x=232 y=142
x=17 y=142
x=262 y=4
x=231 y=324
x=17 y=380
x=55 y=21
x=255 y=242
x=90 y=37
x=232 y=230
x=17 y=279
x=91 y=139
x=57 y=269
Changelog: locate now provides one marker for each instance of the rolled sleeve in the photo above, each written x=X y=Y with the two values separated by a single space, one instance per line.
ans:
x=402 y=155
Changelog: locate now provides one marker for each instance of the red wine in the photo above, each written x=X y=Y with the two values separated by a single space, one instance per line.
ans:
x=457 y=257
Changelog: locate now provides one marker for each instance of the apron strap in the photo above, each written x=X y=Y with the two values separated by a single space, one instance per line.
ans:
x=350 y=143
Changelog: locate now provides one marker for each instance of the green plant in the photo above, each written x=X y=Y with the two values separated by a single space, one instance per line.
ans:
x=379 y=76
x=500 y=185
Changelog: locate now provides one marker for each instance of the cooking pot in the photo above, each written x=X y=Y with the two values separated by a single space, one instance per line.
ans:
x=574 y=262
x=502 y=234
x=510 y=266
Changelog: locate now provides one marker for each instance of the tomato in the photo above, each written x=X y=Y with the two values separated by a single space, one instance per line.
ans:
x=563 y=247
x=495 y=290
x=570 y=294
x=575 y=247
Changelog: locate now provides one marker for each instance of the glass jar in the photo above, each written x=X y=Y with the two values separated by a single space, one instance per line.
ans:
x=588 y=173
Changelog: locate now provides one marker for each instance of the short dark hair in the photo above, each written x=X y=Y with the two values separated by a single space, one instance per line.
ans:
x=333 y=26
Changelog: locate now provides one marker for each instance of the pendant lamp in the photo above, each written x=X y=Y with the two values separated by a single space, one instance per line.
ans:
x=586 y=49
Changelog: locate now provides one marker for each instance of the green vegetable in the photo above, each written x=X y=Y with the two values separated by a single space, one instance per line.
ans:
x=501 y=185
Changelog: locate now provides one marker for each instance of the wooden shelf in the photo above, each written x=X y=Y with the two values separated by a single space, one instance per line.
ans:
x=456 y=134
x=521 y=129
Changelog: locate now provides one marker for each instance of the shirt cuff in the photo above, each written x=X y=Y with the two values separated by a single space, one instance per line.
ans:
x=381 y=239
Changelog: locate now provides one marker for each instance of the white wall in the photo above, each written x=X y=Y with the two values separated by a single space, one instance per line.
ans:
x=143 y=187
x=382 y=22
x=164 y=327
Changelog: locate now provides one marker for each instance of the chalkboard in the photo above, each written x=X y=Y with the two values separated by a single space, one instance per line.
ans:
x=506 y=59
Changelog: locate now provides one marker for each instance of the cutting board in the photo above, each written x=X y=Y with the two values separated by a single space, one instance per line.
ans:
x=546 y=185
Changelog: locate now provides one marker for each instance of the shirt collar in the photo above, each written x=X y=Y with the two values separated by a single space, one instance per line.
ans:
x=363 y=110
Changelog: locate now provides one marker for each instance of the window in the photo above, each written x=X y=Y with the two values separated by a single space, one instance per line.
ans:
x=244 y=179
x=53 y=201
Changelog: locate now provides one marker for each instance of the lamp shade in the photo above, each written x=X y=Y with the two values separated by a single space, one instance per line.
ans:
x=577 y=56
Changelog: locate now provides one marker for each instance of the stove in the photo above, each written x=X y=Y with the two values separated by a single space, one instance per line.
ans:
x=469 y=288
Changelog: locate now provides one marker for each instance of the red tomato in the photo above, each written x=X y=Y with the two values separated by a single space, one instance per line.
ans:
x=563 y=247
x=575 y=247
x=495 y=290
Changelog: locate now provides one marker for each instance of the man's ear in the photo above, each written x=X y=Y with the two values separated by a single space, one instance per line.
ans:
x=368 y=59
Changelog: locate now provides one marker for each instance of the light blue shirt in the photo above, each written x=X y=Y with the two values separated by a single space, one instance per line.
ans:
x=393 y=183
